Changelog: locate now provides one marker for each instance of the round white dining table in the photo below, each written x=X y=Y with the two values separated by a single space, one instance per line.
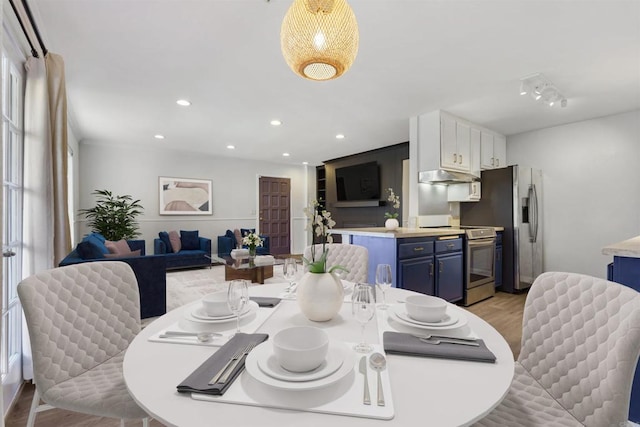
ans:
x=425 y=391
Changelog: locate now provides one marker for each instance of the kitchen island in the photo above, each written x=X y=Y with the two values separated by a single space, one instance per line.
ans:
x=425 y=260
x=625 y=269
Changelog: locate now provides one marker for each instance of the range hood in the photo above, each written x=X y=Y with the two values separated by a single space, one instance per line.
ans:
x=441 y=176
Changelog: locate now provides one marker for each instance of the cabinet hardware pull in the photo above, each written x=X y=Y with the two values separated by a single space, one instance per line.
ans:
x=440 y=266
x=418 y=249
x=492 y=164
x=497 y=162
x=455 y=158
x=450 y=245
x=431 y=269
x=460 y=156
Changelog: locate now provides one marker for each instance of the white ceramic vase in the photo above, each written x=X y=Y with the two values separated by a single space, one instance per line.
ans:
x=391 y=223
x=320 y=296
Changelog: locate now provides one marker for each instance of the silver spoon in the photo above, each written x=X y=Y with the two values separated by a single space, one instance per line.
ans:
x=201 y=336
x=378 y=363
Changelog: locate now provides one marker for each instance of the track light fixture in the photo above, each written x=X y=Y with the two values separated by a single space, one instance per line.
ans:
x=541 y=89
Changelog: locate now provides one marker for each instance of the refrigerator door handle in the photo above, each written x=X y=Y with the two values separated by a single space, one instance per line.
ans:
x=533 y=211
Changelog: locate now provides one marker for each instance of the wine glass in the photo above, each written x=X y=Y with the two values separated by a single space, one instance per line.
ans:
x=237 y=298
x=364 y=308
x=383 y=280
x=290 y=269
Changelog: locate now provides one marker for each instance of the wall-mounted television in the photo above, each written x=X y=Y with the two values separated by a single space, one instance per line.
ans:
x=358 y=182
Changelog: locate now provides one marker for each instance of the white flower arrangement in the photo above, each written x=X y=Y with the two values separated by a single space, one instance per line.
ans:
x=395 y=202
x=252 y=240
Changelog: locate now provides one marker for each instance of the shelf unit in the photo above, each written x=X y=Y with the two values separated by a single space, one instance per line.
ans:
x=321 y=184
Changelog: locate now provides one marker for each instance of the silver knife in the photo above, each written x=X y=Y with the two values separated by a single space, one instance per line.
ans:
x=363 y=370
x=444 y=337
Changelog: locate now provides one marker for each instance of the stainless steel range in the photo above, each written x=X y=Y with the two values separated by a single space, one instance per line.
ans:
x=480 y=253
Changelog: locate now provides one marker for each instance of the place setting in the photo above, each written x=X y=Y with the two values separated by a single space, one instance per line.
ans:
x=432 y=328
x=213 y=320
x=301 y=368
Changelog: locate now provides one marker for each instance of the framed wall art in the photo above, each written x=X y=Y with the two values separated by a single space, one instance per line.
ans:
x=185 y=196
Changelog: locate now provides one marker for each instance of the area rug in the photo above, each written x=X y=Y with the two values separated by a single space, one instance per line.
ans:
x=185 y=286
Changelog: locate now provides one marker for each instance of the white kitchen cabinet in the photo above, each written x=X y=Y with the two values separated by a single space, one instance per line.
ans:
x=493 y=150
x=465 y=192
x=455 y=144
x=444 y=141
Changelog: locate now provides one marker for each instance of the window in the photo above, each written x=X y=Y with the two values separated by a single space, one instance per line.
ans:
x=12 y=156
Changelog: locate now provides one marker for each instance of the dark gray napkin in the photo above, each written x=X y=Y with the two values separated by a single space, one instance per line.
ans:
x=199 y=379
x=399 y=343
x=266 y=301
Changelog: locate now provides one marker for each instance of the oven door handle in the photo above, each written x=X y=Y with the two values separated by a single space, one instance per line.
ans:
x=481 y=242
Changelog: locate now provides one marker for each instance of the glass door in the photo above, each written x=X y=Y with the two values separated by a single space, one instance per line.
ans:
x=12 y=155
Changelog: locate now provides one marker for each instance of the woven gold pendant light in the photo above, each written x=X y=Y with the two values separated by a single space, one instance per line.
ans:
x=319 y=38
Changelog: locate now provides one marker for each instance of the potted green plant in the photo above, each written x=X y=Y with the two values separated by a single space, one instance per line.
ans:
x=114 y=216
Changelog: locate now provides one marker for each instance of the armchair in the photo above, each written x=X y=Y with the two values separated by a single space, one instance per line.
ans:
x=232 y=239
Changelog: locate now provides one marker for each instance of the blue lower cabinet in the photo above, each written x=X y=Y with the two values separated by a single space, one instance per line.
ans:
x=449 y=282
x=417 y=274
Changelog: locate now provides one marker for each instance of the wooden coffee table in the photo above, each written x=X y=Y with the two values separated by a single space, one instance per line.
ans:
x=243 y=269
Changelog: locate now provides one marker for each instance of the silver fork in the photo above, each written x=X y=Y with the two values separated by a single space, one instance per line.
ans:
x=236 y=355
x=245 y=352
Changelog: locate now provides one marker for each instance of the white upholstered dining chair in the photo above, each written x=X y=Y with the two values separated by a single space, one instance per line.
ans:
x=81 y=319
x=580 y=347
x=354 y=258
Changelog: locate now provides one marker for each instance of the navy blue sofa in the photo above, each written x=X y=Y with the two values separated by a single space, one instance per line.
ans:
x=185 y=258
x=150 y=271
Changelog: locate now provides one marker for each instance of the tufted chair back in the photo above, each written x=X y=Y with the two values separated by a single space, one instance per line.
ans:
x=78 y=317
x=581 y=341
x=355 y=258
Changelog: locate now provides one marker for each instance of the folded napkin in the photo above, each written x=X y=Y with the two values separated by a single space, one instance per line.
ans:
x=199 y=379
x=399 y=343
x=266 y=301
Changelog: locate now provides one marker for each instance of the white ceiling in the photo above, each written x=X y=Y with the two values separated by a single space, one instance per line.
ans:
x=127 y=62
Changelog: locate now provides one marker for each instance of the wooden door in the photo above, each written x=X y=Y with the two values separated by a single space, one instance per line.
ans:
x=275 y=214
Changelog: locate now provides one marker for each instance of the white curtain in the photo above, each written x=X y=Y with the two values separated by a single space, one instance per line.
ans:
x=46 y=232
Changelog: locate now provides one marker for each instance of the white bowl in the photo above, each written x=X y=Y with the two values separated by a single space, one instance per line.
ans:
x=301 y=348
x=425 y=308
x=215 y=304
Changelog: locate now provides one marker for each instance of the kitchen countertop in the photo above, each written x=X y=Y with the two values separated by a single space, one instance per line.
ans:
x=399 y=233
x=628 y=248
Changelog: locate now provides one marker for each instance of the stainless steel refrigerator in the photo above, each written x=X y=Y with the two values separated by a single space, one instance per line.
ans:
x=511 y=197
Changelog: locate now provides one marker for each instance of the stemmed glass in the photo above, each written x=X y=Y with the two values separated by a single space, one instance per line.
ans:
x=290 y=269
x=383 y=280
x=364 y=308
x=237 y=298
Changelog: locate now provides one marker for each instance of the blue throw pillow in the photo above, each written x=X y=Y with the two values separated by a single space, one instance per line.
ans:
x=189 y=240
x=89 y=250
x=230 y=234
x=164 y=236
x=245 y=231
x=98 y=241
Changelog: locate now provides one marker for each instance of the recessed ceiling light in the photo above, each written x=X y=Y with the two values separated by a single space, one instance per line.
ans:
x=158 y=136
x=231 y=147
x=339 y=136
x=286 y=154
x=183 y=102
x=305 y=163
x=276 y=122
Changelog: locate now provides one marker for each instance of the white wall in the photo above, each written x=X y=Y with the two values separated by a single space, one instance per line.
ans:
x=591 y=180
x=135 y=171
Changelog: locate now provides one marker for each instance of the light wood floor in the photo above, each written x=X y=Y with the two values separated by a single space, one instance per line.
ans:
x=503 y=312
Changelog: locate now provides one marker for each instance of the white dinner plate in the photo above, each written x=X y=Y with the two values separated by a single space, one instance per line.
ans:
x=265 y=349
x=251 y=307
x=460 y=322
x=449 y=318
x=335 y=357
x=200 y=313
